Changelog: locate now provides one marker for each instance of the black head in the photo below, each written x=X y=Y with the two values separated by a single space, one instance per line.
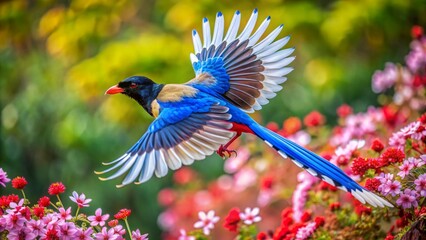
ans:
x=132 y=85
x=141 y=89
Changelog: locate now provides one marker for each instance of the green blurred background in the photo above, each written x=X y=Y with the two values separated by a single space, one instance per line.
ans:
x=57 y=58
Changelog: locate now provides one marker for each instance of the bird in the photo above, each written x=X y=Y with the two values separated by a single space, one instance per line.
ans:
x=236 y=73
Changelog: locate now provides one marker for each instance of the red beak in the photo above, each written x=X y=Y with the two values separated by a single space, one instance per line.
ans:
x=114 y=90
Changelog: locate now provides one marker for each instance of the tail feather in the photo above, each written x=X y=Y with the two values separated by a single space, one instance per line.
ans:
x=317 y=166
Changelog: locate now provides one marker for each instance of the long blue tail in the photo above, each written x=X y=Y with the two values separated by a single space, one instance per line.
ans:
x=317 y=166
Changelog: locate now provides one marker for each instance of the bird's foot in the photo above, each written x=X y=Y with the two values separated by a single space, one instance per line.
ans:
x=226 y=153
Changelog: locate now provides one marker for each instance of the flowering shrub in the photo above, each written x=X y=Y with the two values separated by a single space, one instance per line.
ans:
x=51 y=219
x=384 y=149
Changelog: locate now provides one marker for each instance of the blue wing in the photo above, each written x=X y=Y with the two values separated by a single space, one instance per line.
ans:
x=246 y=71
x=170 y=143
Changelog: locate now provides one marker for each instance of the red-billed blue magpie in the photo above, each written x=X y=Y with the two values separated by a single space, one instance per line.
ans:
x=235 y=74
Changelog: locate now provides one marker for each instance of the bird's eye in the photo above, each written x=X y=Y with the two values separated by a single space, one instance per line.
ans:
x=133 y=85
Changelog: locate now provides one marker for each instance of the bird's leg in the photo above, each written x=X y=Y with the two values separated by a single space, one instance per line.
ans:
x=223 y=150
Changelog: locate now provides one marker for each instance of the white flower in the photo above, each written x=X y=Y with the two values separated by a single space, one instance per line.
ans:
x=250 y=216
x=207 y=221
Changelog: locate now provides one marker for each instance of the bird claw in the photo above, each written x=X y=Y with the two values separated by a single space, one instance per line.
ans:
x=225 y=153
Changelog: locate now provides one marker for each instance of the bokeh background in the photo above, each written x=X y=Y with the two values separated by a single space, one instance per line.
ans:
x=57 y=58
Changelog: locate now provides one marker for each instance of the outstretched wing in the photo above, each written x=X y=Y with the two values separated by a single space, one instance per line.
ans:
x=171 y=144
x=241 y=68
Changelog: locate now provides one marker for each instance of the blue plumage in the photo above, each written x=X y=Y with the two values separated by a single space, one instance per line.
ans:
x=235 y=74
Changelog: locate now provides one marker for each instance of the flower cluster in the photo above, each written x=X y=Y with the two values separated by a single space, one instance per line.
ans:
x=383 y=148
x=50 y=219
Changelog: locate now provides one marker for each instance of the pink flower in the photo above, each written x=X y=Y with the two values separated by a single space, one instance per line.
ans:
x=390 y=187
x=417 y=162
x=384 y=177
x=421 y=185
x=183 y=235
x=250 y=216
x=416 y=59
x=347 y=151
x=68 y=230
x=98 y=219
x=244 y=178
x=136 y=235
x=397 y=140
x=385 y=79
x=119 y=230
x=300 y=195
x=65 y=214
x=405 y=168
x=233 y=164
x=3 y=178
x=84 y=234
x=207 y=221
x=23 y=233
x=301 y=137
x=305 y=232
x=80 y=199
x=35 y=226
x=50 y=233
x=408 y=199
x=106 y=234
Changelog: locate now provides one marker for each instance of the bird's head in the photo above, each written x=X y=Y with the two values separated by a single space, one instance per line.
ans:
x=132 y=86
x=141 y=89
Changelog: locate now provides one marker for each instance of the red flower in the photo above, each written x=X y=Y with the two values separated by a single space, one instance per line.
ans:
x=56 y=188
x=38 y=211
x=314 y=119
x=306 y=216
x=295 y=227
x=13 y=198
x=281 y=232
x=342 y=160
x=320 y=221
x=291 y=125
x=287 y=221
x=184 y=175
x=113 y=223
x=401 y=222
x=123 y=213
x=52 y=233
x=361 y=209
x=344 y=110
x=334 y=206
x=416 y=32
x=419 y=212
x=19 y=183
x=389 y=237
x=267 y=182
x=422 y=118
x=360 y=165
x=287 y=212
x=6 y=200
x=326 y=186
x=273 y=126
x=44 y=201
x=166 y=196
x=377 y=145
x=372 y=184
x=392 y=155
x=261 y=236
x=232 y=220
